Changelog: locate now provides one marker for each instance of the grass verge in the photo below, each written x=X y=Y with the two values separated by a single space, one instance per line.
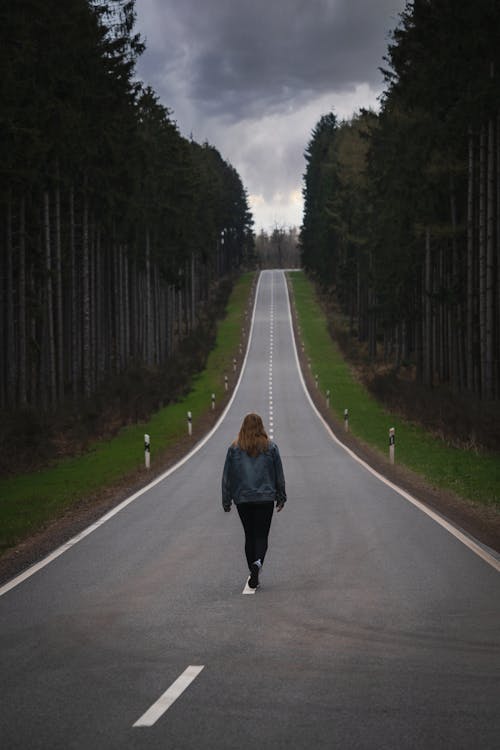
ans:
x=471 y=475
x=29 y=501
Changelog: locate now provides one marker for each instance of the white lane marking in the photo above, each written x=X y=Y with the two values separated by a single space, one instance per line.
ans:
x=470 y=543
x=113 y=512
x=169 y=696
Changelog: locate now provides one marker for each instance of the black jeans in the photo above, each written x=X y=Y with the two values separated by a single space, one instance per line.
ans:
x=256 y=519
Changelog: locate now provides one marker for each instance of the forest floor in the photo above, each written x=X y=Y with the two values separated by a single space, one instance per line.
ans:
x=460 y=419
x=479 y=521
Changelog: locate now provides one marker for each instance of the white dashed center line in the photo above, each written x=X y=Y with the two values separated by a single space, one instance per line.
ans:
x=169 y=696
x=271 y=343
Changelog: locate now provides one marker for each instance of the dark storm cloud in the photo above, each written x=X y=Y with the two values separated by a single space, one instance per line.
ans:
x=253 y=77
x=236 y=57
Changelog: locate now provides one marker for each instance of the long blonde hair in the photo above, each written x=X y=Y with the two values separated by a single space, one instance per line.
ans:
x=252 y=436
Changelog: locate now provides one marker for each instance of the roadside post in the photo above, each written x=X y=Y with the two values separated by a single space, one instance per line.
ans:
x=226 y=383
x=234 y=364
x=328 y=398
x=147 y=451
x=316 y=379
x=346 y=420
x=190 y=423
x=213 y=401
x=392 y=442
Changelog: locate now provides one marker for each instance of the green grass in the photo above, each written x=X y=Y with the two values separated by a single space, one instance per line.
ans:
x=471 y=475
x=30 y=500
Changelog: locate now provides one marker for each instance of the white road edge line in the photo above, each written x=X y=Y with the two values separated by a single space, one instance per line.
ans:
x=169 y=696
x=78 y=538
x=470 y=543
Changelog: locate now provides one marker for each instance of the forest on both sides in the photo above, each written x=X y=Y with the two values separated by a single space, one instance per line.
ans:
x=402 y=207
x=116 y=233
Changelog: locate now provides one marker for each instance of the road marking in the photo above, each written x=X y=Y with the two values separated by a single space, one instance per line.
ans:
x=169 y=696
x=474 y=546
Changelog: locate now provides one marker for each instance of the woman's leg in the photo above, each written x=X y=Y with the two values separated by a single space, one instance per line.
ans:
x=263 y=514
x=246 y=515
x=256 y=519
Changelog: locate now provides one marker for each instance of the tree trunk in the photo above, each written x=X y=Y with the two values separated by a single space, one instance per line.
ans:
x=482 y=262
x=59 y=297
x=427 y=342
x=455 y=330
x=86 y=355
x=50 y=340
x=22 y=306
x=497 y=316
x=193 y=291
x=10 y=321
x=490 y=275
x=469 y=353
x=74 y=298
x=148 y=312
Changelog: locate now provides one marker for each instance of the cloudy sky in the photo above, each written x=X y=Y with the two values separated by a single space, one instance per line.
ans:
x=253 y=77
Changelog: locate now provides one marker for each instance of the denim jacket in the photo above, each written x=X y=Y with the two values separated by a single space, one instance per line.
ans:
x=248 y=479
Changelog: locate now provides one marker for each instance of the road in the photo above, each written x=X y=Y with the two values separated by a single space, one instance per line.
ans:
x=374 y=626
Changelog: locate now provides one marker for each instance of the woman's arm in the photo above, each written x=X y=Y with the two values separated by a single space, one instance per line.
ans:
x=226 y=483
x=280 y=479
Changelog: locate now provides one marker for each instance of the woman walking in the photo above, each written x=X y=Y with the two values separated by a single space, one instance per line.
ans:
x=253 y=479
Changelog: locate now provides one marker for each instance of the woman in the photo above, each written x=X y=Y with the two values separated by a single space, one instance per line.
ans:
x=253 y=478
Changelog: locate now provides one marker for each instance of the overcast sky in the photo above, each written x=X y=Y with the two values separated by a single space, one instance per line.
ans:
x=253 y=77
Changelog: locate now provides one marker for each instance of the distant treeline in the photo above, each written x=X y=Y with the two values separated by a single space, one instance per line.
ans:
x=402 y=209
x=279 y=249
x=114 y=229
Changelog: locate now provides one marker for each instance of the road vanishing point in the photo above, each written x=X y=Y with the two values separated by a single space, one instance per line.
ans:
x=374 y=627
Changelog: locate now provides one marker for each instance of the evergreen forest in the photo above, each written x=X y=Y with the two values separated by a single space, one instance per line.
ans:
x=402 y=208
x=115 y=231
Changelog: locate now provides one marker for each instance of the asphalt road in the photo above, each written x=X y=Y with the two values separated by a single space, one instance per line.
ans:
x=374 y=627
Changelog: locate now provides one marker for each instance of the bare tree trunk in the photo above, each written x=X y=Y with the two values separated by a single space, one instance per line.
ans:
x=469 y=356
x=497 y=316
x=439 y=282
x=193 y=291
x=123 y=304
x=482 y=260
x=92 y=343
x=490 y=276
x=455 y=329
x=127 y=304
x=86 y=362
x=427 y=343
x=22 y=305
x=158 y=318
x=59 y=297
x=51 y=358
x=3 y=331
x=100 y=330
x=74 y=298
x=34 y=355
x=149 y=321
x=10 y=321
